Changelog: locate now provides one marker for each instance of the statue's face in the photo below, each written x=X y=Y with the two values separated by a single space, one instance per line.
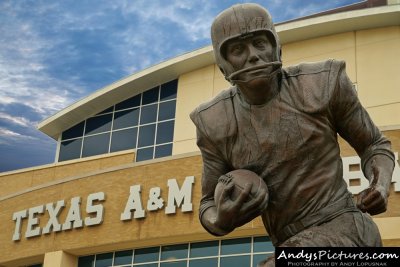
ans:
x=251 y=51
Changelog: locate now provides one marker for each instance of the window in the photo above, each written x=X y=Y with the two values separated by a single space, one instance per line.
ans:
x=240 y=252
x=144 y=122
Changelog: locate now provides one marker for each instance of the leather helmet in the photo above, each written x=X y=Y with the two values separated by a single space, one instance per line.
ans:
x=240 y=21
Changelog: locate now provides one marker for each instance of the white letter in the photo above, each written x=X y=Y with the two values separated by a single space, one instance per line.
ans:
x=17 y=217
x=31 y=230
x=354 y=175
x=74 y=215
x=176 y=195
x=53 y=214
x=134 y=203
x=97 y=209
x=282 y=255
x=155 y=202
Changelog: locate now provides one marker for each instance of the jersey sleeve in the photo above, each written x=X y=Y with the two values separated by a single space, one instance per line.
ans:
x=352 y=121
x=213 y=165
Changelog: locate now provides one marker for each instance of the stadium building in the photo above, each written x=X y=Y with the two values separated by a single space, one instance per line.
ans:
x=125 y=186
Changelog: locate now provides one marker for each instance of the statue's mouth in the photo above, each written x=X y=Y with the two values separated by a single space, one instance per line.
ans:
x=266 y=70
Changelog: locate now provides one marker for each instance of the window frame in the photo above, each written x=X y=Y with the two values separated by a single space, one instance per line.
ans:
x=116 y=109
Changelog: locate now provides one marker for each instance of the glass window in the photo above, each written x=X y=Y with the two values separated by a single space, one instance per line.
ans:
x=203 y=262
x=73 y=132
x=144 y=154
x=204 y=249
x=167 y=110
x=107 y=110
x=123 y=139
x=150 y=96
x=174 y=252
x=126 y=118
x=163 y=151
x=148 y=114
x=168 y=90
x=123 y=257
x=236 y=261
x=165 y=132
x=257 y=258
x=263 y=244
x=138 y=112
x=202 y=254
x=104 y=260
x=146 y=254
x=235 y=246
x=146 y=135
x=174 y=264
x=129 y=103
x=96 y=144
x=86 y=261
x=70 y=149
x=98 y=124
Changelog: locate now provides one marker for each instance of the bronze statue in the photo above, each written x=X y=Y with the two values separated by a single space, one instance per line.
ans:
x=282 y=124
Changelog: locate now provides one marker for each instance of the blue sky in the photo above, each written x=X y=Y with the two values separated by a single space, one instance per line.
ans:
x=53 y=53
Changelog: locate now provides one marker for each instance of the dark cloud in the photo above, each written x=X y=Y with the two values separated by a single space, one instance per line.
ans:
x=20 y=110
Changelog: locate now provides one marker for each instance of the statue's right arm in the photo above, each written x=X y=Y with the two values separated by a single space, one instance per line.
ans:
x=213 y=167
x=231 y=213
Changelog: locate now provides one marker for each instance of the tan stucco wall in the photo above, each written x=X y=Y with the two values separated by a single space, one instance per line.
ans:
x=16 y=181
x=338 y=46
x=378 y=68
x=372 y=62
x=59 y=259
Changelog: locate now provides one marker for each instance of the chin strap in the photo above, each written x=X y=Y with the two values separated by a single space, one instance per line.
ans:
x=267 y=71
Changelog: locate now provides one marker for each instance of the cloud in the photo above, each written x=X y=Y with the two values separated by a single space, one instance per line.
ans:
x=193 y=17
x=21 y=121
x=23 y=71
x=8 y=137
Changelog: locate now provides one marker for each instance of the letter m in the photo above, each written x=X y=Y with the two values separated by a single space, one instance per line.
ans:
x=176 y=195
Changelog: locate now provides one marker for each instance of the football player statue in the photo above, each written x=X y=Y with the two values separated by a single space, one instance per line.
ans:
x=282 y=124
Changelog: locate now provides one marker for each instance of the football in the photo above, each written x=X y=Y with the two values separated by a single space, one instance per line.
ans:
x=240 y=178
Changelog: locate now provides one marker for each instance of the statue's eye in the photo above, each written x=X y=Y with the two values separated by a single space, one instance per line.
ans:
x=259 y=43
x=236 y=49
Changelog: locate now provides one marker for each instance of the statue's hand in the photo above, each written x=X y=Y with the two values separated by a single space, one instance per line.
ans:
x=373 y=200
x=237 y=212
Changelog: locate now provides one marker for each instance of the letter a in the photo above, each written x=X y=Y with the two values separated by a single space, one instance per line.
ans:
x=134 y=203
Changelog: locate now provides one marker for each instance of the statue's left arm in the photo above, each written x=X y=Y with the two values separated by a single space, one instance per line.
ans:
x=353 y=123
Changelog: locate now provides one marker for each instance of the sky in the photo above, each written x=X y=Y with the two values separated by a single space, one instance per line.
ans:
x=53 y=53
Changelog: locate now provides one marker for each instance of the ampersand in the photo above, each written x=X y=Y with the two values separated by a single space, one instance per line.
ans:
x=155 y=201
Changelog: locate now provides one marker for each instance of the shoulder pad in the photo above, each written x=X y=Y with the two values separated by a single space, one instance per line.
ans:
x=215 y=117
x=311 y=85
